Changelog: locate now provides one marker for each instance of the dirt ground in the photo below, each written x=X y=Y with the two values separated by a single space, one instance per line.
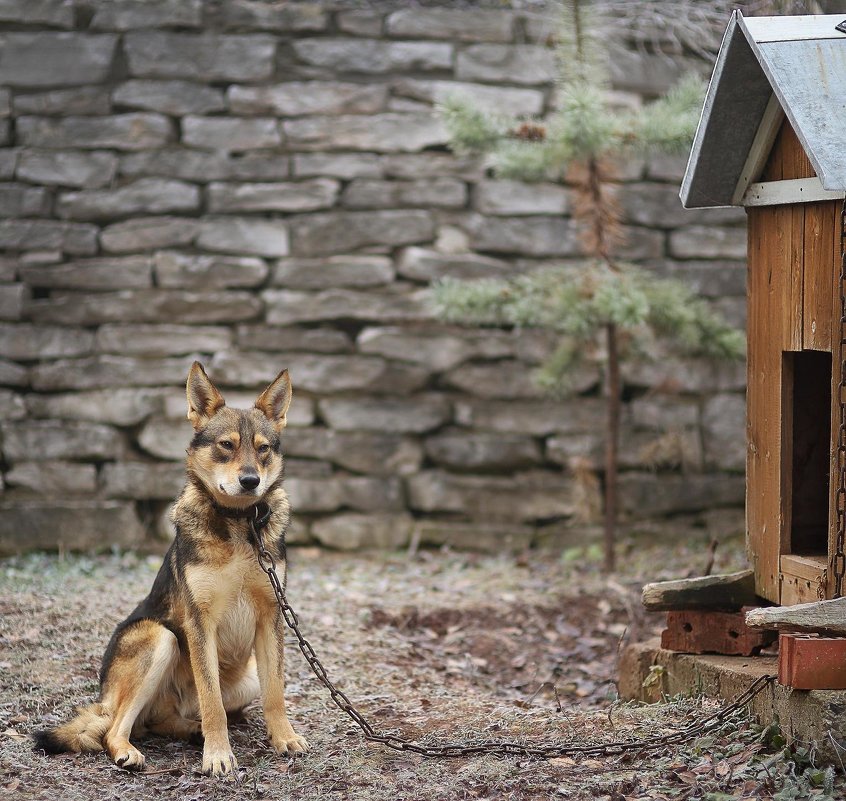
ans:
x=438 y=646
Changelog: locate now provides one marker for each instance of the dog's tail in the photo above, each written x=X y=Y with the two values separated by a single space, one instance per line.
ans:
x=84 y=733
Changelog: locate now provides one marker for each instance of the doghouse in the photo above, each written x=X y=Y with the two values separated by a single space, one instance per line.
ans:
x=772 y=138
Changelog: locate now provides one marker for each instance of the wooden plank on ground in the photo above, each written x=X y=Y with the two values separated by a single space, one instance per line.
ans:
x=819 y=616
x=728 y=592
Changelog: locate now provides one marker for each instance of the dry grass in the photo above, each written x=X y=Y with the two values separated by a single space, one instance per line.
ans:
x=442 y=646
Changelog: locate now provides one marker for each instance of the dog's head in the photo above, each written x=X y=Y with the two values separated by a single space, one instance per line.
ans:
x=236 y=453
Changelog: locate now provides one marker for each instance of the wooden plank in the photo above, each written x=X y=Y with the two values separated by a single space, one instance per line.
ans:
x=793 y=28
x=795 y=267
x=762 y=144
x=807 y=567
x=789 y=190
x=728 y=592
x=817 y=276
x=803 y=578
x=819 y=616
x=836 y=368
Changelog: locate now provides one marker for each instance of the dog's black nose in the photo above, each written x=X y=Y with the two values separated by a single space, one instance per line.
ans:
x=249 y=481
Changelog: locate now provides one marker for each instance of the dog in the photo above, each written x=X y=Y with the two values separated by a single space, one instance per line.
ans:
x=207 y=640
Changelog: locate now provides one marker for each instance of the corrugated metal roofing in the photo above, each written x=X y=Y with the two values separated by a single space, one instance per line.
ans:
x=800 y=59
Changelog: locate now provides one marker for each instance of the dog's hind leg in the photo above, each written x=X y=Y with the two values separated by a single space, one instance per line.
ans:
x=144 y=657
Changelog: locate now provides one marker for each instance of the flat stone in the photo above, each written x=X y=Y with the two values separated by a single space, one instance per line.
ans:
x=242 y=235
x=646 y=495
x=664 y=412
x=20 y=200
x=202 y=57
x=118 y=407
x=444 y=192
x=166 y=439
x=708 y=242
x=664 y=167
x=148 y=233
x=290 y=338
x=177 y=270
x=524 y=497
x=144 y=196
x=146 y=306
x=12 y=405
x=337 y=165
x=320 y=373
x=532 y=417
x=129 y=14
x=333 y=271
x=711 y=279
x=431 y=164
x=496 y=63
x=299 y=98
x=402 y=415
x=105 y=370
x=490 y=98
x=724 y=431
x=52 y=478
x=272 y=16
x=300 y=413
x=68 y=525
x=341 y=232
x=529 y=236
x=203 y=166
x=67 y=168
x=318 y=193
x=230 y=133
x=437 y=350
x=509 y=379
x=350 y=532
x=516 y=198
x=373 y=452
x=477 y=451
x=134 y=131
x=8 y=162
x=13 y=300
x=360 y=23
x=13 y=375
x=78 y=239
x=647 y=73
x=77 y=100
x=467 y=25
x=163 y=339
x=56 y=13
x=659 y=206
x=53 y=439
x=103 y=274
x=9 y=269
x=286 y=307
x=169 y=97
x=329 y=494
x=142 y=480
x=383 y=133
x=686 y=375
x=55 y=59
x=486 y=537
x=426 y=265
x=373 y=55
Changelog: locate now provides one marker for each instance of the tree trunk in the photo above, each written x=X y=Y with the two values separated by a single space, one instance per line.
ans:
x=613 y=435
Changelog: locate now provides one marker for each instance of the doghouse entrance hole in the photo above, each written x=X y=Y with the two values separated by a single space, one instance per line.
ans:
x=811 y=442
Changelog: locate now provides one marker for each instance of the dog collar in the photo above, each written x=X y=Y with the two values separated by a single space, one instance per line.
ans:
x=259 y=513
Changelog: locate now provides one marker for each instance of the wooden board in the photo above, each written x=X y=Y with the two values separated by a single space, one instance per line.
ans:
x=803 y=579
x=787 y=159
x=836 y=368
x=819 y=271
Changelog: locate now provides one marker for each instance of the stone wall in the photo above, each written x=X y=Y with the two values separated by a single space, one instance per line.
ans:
x=265 y=185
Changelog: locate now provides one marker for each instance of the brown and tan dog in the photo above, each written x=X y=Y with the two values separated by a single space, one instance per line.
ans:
x=207 y=640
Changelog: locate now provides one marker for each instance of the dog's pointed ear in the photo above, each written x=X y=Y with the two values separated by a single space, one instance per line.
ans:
x=203 y=398
x=275 y=400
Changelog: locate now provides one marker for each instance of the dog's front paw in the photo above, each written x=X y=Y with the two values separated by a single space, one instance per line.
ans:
x=219 y=761
x=129 y=758
x=287 y=741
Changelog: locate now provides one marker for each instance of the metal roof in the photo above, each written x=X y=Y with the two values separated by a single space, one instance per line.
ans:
x=802 y=61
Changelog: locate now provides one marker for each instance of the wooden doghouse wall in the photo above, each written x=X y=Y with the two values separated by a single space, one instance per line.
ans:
x=794 y=305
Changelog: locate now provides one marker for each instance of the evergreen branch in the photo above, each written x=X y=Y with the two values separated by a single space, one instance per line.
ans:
x=669 y=124
x=470 y=129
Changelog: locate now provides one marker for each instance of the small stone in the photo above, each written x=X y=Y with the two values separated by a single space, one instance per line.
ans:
x=286 y=307
x=425 y=265
x=468 y=25
x=56 y=13
x=55 y=59
x=68 y=525
x=203 y=166
x=478 y=451
x=350 y=532
x=708 y=242
x=360 y=23
x=340 y=232
x=373 y=55
x=148 y=233
x=162 y=339
x=273 y=16
x=78 y=239
x=491 y=98
x=136 y=131
x=144 y=196
x=291 y=339
x=142 y=480
x=402 y=415
x=13 y=301
x=169 y=97
x=99 y=371
x=516 y=198
x=52 y=439
x=724 y=431
x=65 y=102
x=384 y=133
x=333 y=271
x=299 y=98
x=319 y=193
x=20 y=200
x=337 y=165
x=230 y=133
x=241 y=235
x=185 y=270
x=532 y=417
x=52 y=477
x=531 y=236
x=67 y=168
x=133 y=272
x=433 y=192
x=202 y=57
x=118 y=407
x=129 y=14
x=495 y=63
x=12 y=406
x=166 y=439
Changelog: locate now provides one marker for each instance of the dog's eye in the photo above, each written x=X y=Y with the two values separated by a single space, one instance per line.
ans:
x=226 y=445
x=263 y=448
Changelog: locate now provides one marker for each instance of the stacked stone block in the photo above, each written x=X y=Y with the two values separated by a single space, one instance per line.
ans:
x=264 y=185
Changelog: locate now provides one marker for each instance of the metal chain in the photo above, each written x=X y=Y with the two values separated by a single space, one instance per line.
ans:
x=478 y=747
x=839 y=558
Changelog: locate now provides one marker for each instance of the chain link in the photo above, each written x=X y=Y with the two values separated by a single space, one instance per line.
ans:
x=479 y=747
x=839 y=559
